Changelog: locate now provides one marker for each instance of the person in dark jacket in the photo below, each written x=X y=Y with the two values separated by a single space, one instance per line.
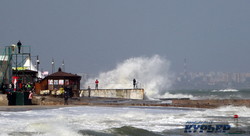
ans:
x=66 y=97
x=67 y=91
x=89 y=90
x=10 y=99
x=134 y=83
x=19 y=44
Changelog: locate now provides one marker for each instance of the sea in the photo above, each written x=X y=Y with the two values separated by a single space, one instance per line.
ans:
x=131 y=121
x=228 y=93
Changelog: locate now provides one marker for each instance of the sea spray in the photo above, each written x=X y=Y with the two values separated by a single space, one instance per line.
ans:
x=151 y=73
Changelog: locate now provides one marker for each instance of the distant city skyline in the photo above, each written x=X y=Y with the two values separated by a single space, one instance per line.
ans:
x=212 y=80
x=94 y=36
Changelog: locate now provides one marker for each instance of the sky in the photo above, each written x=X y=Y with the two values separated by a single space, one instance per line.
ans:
x=92 y=36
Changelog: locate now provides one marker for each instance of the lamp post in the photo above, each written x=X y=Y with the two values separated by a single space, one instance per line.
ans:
x=37 y=63
x=19 y=44
x=63 y=67
x=52 y=63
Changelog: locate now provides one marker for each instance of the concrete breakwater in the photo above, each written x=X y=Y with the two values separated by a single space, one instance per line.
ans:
x=114 y=93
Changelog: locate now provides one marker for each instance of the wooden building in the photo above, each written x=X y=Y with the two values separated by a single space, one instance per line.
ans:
x=57 y=80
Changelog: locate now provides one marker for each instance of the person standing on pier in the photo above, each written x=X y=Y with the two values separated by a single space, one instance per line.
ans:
x=89 y=90
x=10 y=98
x=134 y=83
x=11 y=86
x=96 y=84
x=19 y=44
x=66 y=94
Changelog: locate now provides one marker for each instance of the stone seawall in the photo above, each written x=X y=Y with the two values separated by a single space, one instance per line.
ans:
x=211 y=103
x=50 y=100
x=132 y=101
x=115 y=93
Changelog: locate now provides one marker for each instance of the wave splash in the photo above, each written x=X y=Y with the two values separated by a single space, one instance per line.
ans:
x=151 y=73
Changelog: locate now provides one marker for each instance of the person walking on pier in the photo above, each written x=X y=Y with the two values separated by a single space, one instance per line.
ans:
x=134 y=83
x=96 y=84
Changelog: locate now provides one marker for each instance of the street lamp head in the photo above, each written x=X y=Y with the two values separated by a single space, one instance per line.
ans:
x=52 y=61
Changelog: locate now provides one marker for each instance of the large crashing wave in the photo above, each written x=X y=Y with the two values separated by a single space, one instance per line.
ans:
x=151 y=73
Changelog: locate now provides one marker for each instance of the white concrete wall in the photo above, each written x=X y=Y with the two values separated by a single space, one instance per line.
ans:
x=116 y=93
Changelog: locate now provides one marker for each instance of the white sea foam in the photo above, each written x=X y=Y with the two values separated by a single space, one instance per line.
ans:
x=69 y=121
x=152 y=74
x=226 y=90
x=178 y=95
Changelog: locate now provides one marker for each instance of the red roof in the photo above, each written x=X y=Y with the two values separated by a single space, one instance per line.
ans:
x=62 y=74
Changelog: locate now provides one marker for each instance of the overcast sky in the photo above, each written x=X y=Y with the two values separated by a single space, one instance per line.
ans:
x=94 y=35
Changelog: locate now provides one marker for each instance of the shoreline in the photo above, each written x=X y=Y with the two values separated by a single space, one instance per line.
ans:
x=48 y=107
x=17 y=108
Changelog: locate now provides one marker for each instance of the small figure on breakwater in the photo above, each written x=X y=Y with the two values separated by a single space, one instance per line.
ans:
x=96 y=84
x=134 y=83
